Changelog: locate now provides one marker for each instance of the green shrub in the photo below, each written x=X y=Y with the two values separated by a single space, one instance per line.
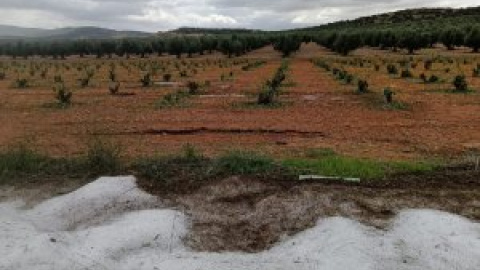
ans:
x=87 y=77
x=146 y=80
x=423 y=77
x=476 y=71
x=21 y=83
x=388 y=94
x=62 y=94
x=103 y=157
x=433 y=79
x=193 y=87
x=167 y=77
x=406 y=74
x=392 y=69
x=57 y=79
x=112 y=75
x=362 y=86
x=266 y=96
x=460 y=83
x=20 y=159
x=189 y=152
x=172 y=99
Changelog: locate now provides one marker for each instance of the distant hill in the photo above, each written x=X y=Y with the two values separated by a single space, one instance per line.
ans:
x=422 y=17
x=88 y=32
x=210 y=31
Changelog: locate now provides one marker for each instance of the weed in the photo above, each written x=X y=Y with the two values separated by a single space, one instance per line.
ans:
x=460 y=83
x=62 y=94
x=103 y=157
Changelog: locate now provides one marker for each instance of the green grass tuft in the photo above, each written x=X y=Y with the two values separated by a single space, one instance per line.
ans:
x=244 y=163
x=339 y=166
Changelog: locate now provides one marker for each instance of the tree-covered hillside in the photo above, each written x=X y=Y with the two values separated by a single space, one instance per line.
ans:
x=409 y=30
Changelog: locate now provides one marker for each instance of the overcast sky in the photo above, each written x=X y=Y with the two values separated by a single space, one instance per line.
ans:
x=158 y=15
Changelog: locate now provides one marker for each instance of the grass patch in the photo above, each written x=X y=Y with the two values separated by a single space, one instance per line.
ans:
x=175 y=99
x=339 y=166
x=244 y=163
x=190 y=168
x=20 y=162
x=103 y=157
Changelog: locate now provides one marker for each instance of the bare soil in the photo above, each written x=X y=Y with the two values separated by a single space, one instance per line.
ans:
x=251 y=214
x=436 y=124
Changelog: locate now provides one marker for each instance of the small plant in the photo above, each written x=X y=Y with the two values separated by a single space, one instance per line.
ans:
x=349 y=78
x=388 y=94
x=406 y=74
x=191 y=153
x=114 y=87
x=270 y=90
x=146 y=80
x=423 y=77
x=43 y=73
x=433 y=79
x=62 y=94
x=392 y=69
x=21 y=83
x=57 y=79
x=193 y=87
x=476 y=71
x=172 y=99
x=103 y=157
x=85 y=80
x=244 y=163
x=167 y=77
x=266 y=96
x=112 y=75
x=428 y=64
x=362 y=86
x=460 y=83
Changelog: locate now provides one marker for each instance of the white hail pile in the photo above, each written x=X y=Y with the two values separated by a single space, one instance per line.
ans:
x=111 y=224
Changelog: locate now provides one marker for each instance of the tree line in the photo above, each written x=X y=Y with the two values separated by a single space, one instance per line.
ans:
x=409 y=39
x=342 y=42
x=231 y=45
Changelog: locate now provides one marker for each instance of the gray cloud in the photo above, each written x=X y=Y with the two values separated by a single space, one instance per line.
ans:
x=155 y=15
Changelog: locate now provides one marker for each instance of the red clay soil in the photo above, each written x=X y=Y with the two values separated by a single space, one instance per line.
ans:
x=316 y=111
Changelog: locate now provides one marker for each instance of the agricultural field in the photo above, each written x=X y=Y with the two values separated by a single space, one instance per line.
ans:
x=211 y=103
x=216 y=145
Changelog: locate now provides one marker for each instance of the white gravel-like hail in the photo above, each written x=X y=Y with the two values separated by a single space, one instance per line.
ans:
x=111 y=224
